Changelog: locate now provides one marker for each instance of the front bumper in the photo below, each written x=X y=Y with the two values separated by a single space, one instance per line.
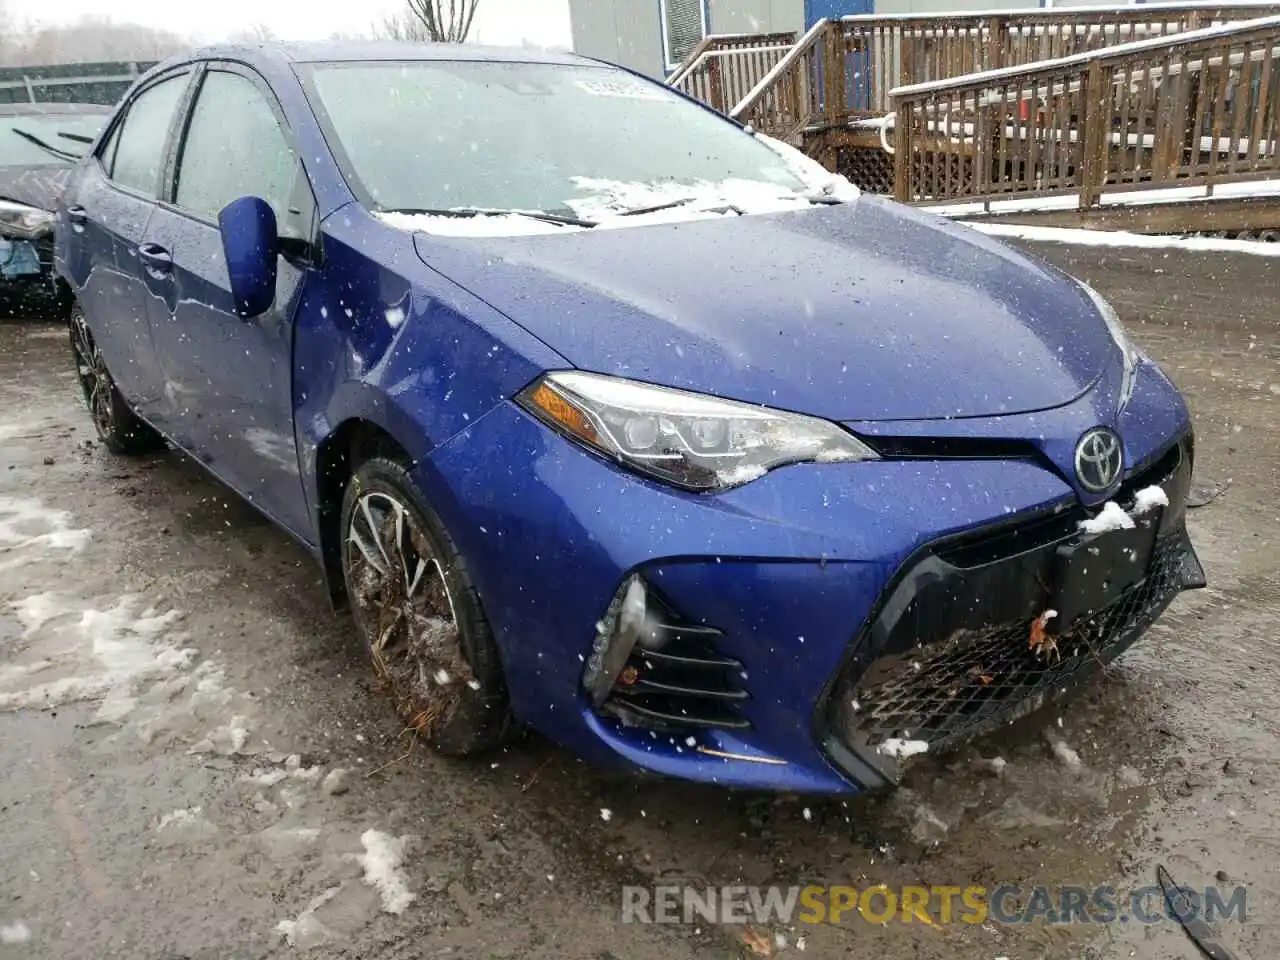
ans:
x=26 y=270
x=789 y=589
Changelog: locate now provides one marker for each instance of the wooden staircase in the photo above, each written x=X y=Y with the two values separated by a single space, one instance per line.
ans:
x=1079 y=116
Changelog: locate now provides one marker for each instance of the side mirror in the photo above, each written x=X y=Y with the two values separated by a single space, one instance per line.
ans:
x=251 y=244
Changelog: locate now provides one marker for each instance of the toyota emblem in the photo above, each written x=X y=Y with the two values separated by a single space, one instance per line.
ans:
x=1099 y=459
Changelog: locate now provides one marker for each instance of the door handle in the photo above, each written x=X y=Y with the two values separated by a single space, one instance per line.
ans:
x=77 y=215
x=155 y=257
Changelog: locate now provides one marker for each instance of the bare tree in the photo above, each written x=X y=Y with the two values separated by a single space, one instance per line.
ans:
x=258 y=33
x=445 y=21
x=12 y=36
x=92 y=39
x=404 y=27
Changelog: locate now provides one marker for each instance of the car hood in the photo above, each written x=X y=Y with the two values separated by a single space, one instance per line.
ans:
x=39 y=187
x=865 y=311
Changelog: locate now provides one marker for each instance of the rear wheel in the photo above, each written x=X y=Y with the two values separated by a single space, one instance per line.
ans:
x=119 y=428
x=413 y=601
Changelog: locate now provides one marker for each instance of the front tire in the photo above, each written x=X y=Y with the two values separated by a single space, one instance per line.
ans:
x=413 y=601
x=120 y=429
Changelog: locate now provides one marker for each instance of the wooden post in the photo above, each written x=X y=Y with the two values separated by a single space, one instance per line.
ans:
x=833 y=75
x=1094 y=146
x=903 y=116
x=715 y=86
x=801 y=77
x=995 y=43
x=908 y=71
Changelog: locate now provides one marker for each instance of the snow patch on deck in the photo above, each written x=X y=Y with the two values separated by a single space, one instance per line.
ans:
x=1121 y=238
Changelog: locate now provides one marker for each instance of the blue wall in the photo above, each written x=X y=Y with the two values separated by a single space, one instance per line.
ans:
x=815 y=10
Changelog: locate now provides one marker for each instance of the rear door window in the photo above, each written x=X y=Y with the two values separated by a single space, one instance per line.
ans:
x=140 y=142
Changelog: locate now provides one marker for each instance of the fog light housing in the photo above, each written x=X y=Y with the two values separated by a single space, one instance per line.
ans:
x=626 y=624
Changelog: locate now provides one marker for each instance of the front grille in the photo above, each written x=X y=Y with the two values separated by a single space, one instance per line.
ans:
x=954 y=689
x=1169 y=469
x=951 y=448
x=687 y=684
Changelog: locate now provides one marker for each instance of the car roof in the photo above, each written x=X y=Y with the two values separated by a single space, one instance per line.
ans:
x=351 y=51
x=40 y=109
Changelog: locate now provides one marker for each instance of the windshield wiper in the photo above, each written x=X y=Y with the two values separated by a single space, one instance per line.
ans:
x=684 y=201
x=476 y=212
x=47 y=147
x=77 y=137
x=638 y=211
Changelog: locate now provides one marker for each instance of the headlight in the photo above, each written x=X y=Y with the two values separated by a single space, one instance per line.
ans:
x=27 y=223
x=690 y=440
x=1127 y=349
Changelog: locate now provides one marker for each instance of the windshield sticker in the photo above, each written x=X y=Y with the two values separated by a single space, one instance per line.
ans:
x=625 y=87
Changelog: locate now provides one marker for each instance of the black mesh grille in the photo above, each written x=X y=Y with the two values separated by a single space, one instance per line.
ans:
x=954 y=689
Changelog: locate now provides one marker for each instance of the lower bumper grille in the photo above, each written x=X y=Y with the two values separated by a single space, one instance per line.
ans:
x=680 y=681
x=976 y=680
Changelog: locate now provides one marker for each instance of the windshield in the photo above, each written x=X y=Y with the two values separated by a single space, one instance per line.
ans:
x=61 y=131
x=443 y=135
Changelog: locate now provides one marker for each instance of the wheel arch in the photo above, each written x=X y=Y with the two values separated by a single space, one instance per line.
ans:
x=338 y=456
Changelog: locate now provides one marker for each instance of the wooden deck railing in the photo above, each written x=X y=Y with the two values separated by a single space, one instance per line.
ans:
x=723 y=68
x=842 y=70
x=1191 y=110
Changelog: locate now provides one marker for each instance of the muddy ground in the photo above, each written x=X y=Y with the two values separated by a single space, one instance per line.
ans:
x=164 y=652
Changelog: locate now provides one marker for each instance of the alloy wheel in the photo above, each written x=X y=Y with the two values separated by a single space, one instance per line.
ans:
x=95 y=381
x=401 y=599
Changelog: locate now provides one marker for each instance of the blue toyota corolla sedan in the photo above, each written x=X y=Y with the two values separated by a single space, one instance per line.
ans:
x=611 y=418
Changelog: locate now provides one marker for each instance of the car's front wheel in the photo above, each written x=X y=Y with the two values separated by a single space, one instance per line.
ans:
x=413 y=601
x=119 y=428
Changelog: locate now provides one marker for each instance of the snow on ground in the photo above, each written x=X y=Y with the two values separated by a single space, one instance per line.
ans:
x=1121 y=238
x=1063 y=753
x=38 y=609
x=59 y=333
x=132 y=659
x=901 y=749
x=1123 y=198
x=185 y=815
x=106 y=656
x=226 y=739
x=10 y=430
x=994 y=765
x=28 y=524
x=12 y=933
x=382 y=861
x=307 y=932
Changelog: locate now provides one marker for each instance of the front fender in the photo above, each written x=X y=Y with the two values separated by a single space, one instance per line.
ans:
x=385 y=339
